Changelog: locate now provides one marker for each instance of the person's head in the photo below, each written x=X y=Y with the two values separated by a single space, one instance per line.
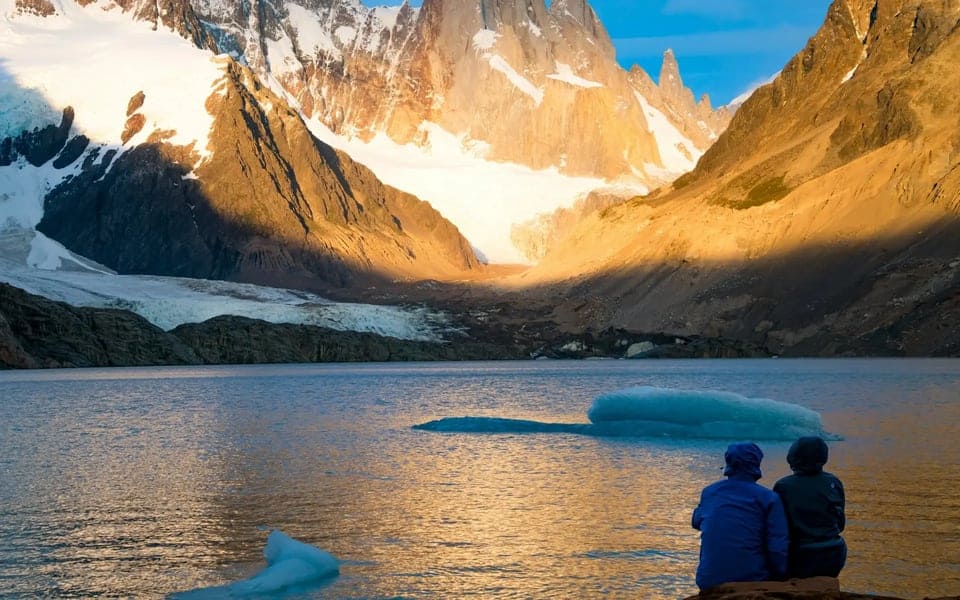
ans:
x=807 y=455
x=743 y=458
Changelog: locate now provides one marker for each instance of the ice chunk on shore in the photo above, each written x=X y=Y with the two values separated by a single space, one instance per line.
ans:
x=290 y=564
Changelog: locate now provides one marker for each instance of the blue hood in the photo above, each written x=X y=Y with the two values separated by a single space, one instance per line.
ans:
x=743 y=458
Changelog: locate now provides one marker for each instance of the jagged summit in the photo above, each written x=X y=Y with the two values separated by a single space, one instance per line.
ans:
x=671 y=83
x=530 y=85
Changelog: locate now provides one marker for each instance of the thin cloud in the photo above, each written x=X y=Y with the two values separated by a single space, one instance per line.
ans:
x=722 y=9
x=787 y=38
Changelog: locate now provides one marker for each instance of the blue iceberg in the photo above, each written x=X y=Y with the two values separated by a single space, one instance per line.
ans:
x=664 y=412
x=290 y=564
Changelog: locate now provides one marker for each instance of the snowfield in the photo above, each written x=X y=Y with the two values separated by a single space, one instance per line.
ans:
x=484 y=199
x=95 y=60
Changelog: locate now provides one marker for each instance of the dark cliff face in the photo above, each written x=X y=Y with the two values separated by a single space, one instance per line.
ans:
x=271 y=204
x=39 y=333
x=37 y=146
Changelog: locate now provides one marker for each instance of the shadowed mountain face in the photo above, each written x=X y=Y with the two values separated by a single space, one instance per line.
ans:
x=826 y=218
x=272 y=204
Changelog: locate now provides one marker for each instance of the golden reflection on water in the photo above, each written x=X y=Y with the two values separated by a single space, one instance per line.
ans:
x=515 y=515
x=139 y=489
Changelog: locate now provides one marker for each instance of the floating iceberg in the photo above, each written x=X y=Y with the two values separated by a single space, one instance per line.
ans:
x=290 y=564
x=664 y=412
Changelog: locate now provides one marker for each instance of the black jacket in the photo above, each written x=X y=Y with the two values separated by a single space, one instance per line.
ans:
x=812 y=498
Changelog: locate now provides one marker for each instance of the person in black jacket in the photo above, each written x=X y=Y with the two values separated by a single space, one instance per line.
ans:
x=814 y=503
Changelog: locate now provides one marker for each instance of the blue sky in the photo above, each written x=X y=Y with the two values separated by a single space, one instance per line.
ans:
x=723 y=46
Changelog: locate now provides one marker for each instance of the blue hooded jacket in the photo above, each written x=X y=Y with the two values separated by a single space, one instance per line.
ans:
x=743 y=526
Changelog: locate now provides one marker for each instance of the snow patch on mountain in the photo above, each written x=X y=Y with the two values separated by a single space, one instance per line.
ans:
x=849 y=74
x=282 y=57
x=485 y=39
x=565 y=74
x=95 y=60
x=483 y=42
x=739 y=100
x=345 y=34
x=677 y=152
x=312 y=35
x=498 y=63
x=483 y=199
x=387 y=15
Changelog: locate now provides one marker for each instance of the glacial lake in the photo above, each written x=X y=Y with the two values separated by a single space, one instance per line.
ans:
x=145 y=482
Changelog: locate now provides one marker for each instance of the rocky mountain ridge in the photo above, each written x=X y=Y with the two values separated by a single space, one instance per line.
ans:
x=272 y=204
x=518 y=81
x=824 y=220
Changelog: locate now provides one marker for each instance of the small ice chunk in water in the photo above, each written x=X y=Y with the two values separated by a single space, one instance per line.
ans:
x=290 y=563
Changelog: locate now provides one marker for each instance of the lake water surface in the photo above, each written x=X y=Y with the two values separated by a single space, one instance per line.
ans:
x=144 y=482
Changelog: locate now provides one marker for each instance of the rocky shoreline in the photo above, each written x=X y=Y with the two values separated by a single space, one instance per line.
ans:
x=36 y=332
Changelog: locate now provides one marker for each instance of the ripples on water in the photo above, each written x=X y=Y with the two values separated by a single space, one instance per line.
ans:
x=143 y=482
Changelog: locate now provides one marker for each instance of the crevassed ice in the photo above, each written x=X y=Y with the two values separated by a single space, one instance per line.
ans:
x=170 y=301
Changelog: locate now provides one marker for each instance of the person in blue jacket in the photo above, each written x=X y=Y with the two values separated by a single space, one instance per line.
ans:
x=814 y=502
x=743 y=527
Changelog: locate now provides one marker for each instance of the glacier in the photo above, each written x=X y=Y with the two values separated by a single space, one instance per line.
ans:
x=653 y=412
x=171 y=301
x=291 y=564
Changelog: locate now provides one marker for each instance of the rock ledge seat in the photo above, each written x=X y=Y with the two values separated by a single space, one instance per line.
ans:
x=814 y=588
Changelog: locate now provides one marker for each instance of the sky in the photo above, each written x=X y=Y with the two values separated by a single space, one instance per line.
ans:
x=724 y=47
